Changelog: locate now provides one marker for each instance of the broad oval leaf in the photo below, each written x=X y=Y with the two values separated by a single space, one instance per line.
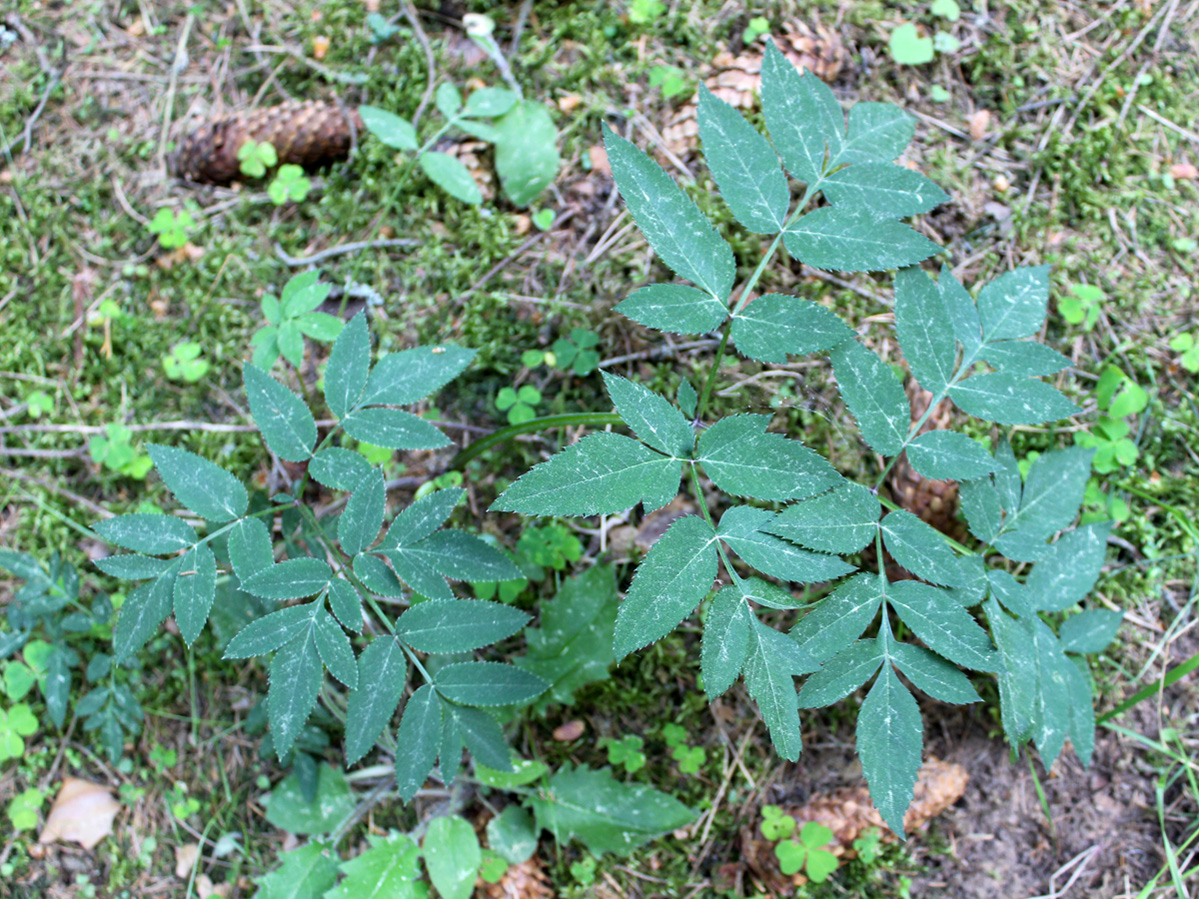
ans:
x=450 y=175
x=526 y=151
x=874 y=396
x=1010 y=399
x=290 y=579
x=394 y=429
x=652 y=418
x=675 y=227
x=743 y=459
x=948 y=455
x=775 y=326
x=841 y=521
x=204 y=488
x=348 y=366
x=452 y=856
x=848 y=239
x=676 y=308
x=285 y=421
x=458 y=625
x=489 y=102
x=488 y=684
x=147 y=533
x=389 y=128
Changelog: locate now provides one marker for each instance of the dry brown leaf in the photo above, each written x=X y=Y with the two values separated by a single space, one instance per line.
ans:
x=189 y=252
x=599 y=160
x=524 y=881
x=205 y=889
x=186 y=857
x=979 y=122
x=570 y=731
x=1184 y=171
x=82 y=813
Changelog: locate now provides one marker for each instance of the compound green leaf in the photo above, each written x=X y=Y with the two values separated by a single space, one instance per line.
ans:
x=389 y=128
x=602 y=474
x=1021 y=546
x=841 y=521
x=147 y=533
x=1090 y=631
x=378 y=578
x=394 y=429
x=452 y=856
x=890 y=737
x=1011 y=399
x=334 y=648
x=842 y=674
x=195 y=589
x=1051 y=704
x=962 y=312
x=770 y=666
x=448 y=99
x=651 y=417
x=144 y=610
x=675 y=575
x=764 y=593
x=285 y=421
x=450 y=746
x=488 y=684
x=840 y=618
x=803 y=116
x=414 y=569
x=422 y=518
x=849 y=239
x=382 y=674
x=291 y=342
x=388 y=869
x=448 y=173
x=304 y=873
x=920 y=315
x=675 y=308
x=417 y=741
x=458 y=625
x=1012 y=594
x=1024 y=357
x=403 y=378
x=974 y=590
x=338 y=468
x=1008 y=480
x=348 y=367
x=1053 y=492
x=250 y=549
x=271 y=631
x=603 y=813
x=1017 y=679
x=1013 y=305
x=132 y=567
x=933 y=674
x=1067 y=571
x=675 y=227
x=878 y=132
x=320 y=325
x=346 y=604
x=948 y=455
x=725 y=642
x=775 y=325
x=483 y=737
x=982 y=507
x=743 y=528
x=887 y=190
x=743 y=459
x=204 y=488
x=295 y=680
x=362 y=518
x=920 y=548
x=463 y=557
x=874 y=396
x=1081 y=708
x=744 y=166
x=526 y=151
x=944 y=626
x=291 y=579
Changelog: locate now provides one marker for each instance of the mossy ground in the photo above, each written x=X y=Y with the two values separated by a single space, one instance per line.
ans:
x=1089 y=110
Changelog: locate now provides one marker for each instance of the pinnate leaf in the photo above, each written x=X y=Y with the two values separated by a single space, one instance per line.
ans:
x=382 y=674
x=195 y=589
x=805 y=121
x=877 y=132
x=403 y=378
x=886 y=190
x=874 y=396
x=1010 y=399
x=1090 y=631
x=394 y=429
x=271 y=631
x=743 y=459
x=348 y=366
x=417 y=741
x=291 y=579
x=285 y=421
x=743 y=528
x=943 y=625
x=334 y=648
x=422 y=518
x=1013 y=305
x=841 y=617
x=362 y=518
x=204 y=488
x=933 y=675
x=920 y=548
x=1066 y=573
x=842 y=674
x=890 y=737
x=920 y=315
x=458 y=625
x=850 y=239
x=676 y=308
x=948 y=455
x=488 y=684
x=147 y=533
x=341 y=469
x=144 y=610
x=1053 y=492
x=725 y=642
x=651 y=417
x=775 y=325
x=295 y=680
x=841 y=521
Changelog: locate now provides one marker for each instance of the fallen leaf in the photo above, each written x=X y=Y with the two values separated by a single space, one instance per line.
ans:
x=82 y=813
x=320 y=46
x=185 y=859
x=599 y=160
x=570 y=731
x=1184 y=171
x=205 y=889
x=979 y=122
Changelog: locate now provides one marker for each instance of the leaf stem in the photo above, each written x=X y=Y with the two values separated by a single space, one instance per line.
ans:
x=544 y=423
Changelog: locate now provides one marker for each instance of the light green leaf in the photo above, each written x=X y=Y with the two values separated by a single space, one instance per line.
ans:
x=512 y=835
x=874 y=396
x=389 y=128
x=348 y=367
x=841 y=617
x=291 y=579
x=725 y=642
x=389 y=869
x=887 y=190
x=394 y=429
x=320 y=326
x=488 y=684
x=602 y=474
x=304 y=873
x=1053 y=492
x=878 y=132
x=362 y=518
x=452 y=856
x=803 y=116
x=651 y=417
x=204 y=488
x=675 y=308
x=458 y=625
x=849 y=239
x=526 y=151
x=841 y=521
x=286 y=423
x=943 y=625
x=675 y=575
x=1013 y=305
x=933 y=675
x=448 y=99
x=743 y=459
x=842 y=674
x=195 y=589
x=948 y=455
x=268 y=633
x=743 y=528
x=291 y=342
x=450 y=175
x=604 y=814
x=341 y=469
x=680 y=234
x=399 y=379
x=920 y=315
x=744 y=166
x=489 y=102
x=417 y=741
x=303 y=293
x=1091 y=631
x=287 y=808
x=890 y=737
x=1011 y=399
x=1024 y=357
x=462 y=557
x=1066 y=573
x=423 y=517
x=774 y=326
x=142 y=533
x=334 y=648
x=295 y=680
x=382 y=674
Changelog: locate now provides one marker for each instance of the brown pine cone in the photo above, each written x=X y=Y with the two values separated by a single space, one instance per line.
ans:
x=934 y=502
x=524 y=881
x=306 y=133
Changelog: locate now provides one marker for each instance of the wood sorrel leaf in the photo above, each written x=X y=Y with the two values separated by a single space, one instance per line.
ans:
x=744 y=166
x=675 y=227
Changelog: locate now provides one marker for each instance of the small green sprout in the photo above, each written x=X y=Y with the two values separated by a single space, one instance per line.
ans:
x=22 y=811
x=807 y=854
x=1083 y=307
x=575 y=352
x=114 y=451
x=171 y=227
x=775 y=825
x=758 y=26
x=644 y=12
x=255 y=158
x=946 y=9
x=493 y=867
x=690 y=758
x=625 y=752
x=16 y=723
x=183 y=363
x=292 y=317
x=518 y=404
x=908 y=47
x=1189 y=348
x=583 y=871
x=289 y=184
x=1118 y=397
x=869 y=845
x=39 y=403
x=669 y=79
x=543 y=219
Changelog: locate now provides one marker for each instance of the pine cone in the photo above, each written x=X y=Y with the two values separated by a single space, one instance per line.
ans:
x=303 y=133
x=934 y=502
x=524 y=881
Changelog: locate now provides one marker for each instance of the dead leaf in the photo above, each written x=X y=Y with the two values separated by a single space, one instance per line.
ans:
x=189 y=252
x=570 y=731
x=1184 y=171
x=320 y=46
x=979 y=122
x=185 y=859
x=205 y=889
x=599 y=160
x=82 y=813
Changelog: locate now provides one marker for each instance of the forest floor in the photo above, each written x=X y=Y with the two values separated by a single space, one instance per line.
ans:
x=1064 y=134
